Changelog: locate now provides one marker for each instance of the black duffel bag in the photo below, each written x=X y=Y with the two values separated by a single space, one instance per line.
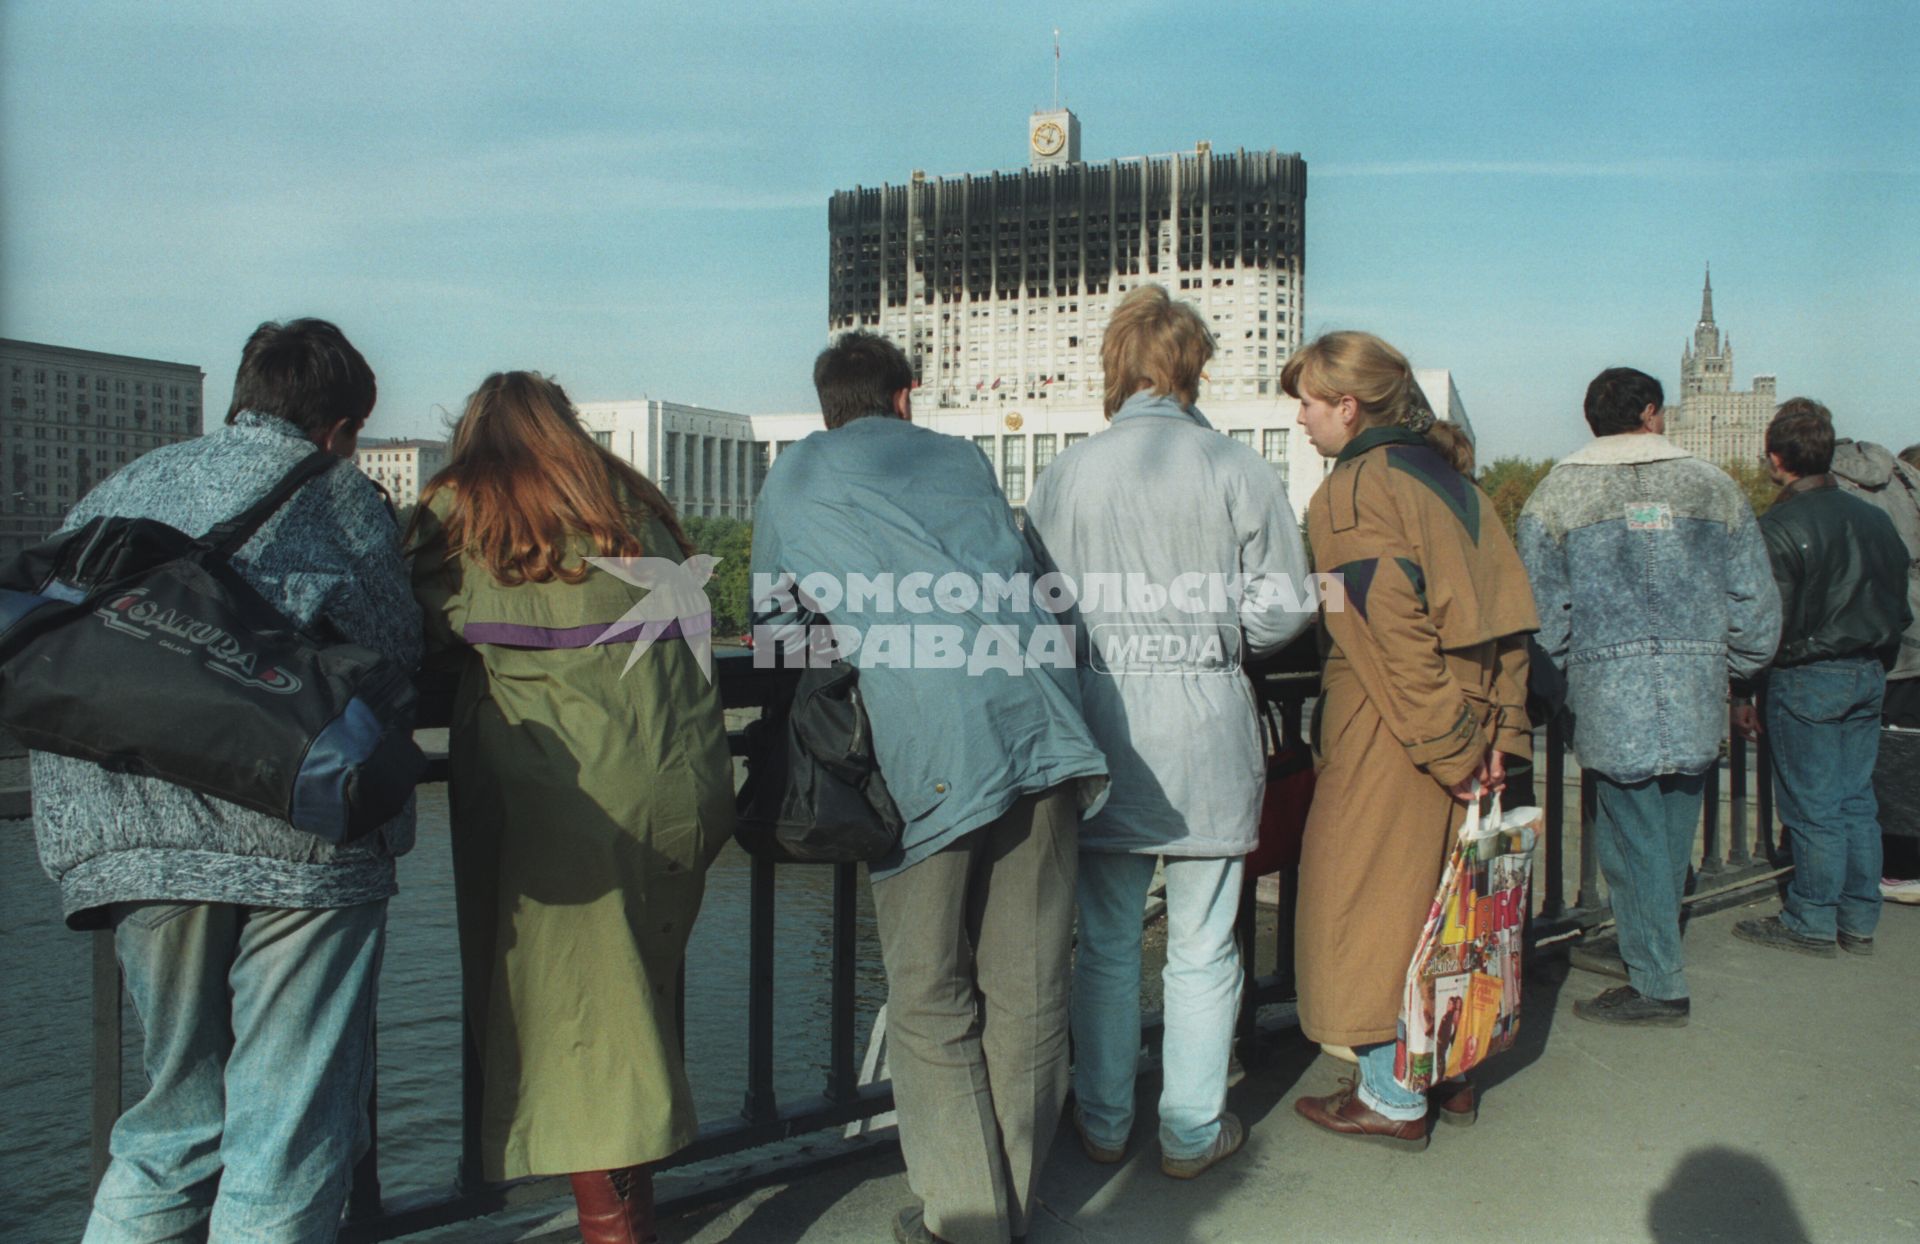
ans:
x=138 y=647
x=814 y=794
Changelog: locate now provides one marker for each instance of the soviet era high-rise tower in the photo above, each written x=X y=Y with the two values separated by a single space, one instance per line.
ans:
x=1714 y=420
x=998 y=285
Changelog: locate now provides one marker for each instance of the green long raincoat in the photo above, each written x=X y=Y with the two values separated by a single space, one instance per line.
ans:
x=587 y=803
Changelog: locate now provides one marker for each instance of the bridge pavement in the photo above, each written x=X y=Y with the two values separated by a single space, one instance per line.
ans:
x=1788 y=1110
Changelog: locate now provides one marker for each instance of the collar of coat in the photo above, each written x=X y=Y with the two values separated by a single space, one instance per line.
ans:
x=1806 y=483
x=1373 y=438
x=258 y=421
x=1145 y=404
x=1625 y=449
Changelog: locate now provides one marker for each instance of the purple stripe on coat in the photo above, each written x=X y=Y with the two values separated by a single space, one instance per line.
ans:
x=515 y=635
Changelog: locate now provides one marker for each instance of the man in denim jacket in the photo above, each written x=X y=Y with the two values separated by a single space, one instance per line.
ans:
x=251 y=950
x=1653 y=588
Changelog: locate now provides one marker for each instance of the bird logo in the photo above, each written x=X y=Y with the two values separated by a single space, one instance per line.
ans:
x=675 y=604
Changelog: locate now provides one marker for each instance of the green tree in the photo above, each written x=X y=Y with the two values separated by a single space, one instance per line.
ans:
x=1508 y=482
x=729 y=590
x=1756 y=484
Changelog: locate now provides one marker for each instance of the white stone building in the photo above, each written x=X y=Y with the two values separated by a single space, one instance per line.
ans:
x=402 y=467
x=999 y=285
x=1713 y=420
x=72 y=418
x=705 y=461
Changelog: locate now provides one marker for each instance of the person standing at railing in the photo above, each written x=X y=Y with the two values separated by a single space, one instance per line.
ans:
x=1653 y=590
x=1892 y=484
x=1842 y=572
x=251 y=950
x=591 y=788
x=1423 y=695
x=1162 y=496
x=991 y=767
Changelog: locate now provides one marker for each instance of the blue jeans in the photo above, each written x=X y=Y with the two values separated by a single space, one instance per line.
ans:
x=259 y=1053
x=1823 y=719
x=1645 y=833
x=1380 y=1091
x=1201 y=988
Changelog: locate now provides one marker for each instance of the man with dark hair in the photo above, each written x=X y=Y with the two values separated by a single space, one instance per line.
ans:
x=1653 y=590
x=859 y=375
x=1891 y=485
x=984 y=752
x=1842 y=573
x=1618 y=400
x=305 y=373
x=251 y=950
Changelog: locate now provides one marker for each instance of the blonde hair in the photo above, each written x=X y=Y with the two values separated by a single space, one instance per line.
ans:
x=1451 y=440
x=1356 y=365
x=1378 y=378
x=1154 y=343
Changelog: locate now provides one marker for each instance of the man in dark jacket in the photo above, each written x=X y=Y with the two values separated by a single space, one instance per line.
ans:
x=1842 y=573
x=251 y=950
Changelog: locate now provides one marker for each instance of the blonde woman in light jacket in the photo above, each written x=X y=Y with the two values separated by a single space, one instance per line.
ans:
x=1195 y=531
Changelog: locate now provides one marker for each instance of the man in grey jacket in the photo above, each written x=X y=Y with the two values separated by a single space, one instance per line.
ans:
x=1653 y=588
x=251 y=950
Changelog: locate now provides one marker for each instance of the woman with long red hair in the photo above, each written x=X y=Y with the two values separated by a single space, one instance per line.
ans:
x=591 y=787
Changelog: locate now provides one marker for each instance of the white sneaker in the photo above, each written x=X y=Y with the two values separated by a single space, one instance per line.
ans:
x=1900 y=891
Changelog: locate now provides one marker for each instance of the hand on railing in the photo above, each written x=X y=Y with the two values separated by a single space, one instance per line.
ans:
x=1746 y=722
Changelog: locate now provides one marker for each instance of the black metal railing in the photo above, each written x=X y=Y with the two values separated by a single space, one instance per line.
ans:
x=1739 y=858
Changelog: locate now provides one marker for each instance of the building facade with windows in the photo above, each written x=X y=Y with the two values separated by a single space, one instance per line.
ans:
x=1715 y=421
x=1021 y=441
x=999 y=285
x=401 y=467
x=705 y=461
x=74 y=417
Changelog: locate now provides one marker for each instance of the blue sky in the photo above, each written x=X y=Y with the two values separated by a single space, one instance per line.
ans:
x=632 y=196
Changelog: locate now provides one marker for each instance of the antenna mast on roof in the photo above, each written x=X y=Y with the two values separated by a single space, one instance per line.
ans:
x=1056 y=69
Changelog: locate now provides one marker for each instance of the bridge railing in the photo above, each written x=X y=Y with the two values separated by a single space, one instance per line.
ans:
x=1733 y=858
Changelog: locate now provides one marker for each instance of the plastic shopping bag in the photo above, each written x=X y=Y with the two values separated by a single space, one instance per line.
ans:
x=1462 y=1000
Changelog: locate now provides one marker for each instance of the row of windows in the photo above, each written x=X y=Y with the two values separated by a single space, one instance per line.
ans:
x=100 y=383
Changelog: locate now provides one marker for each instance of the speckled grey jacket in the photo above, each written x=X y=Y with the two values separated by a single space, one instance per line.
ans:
x=331 y=553
x=1653 y=588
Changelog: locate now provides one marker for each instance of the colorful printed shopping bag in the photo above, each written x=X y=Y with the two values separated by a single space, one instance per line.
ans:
x=1462 y=1000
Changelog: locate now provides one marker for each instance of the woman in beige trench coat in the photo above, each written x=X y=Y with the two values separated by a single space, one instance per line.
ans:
x=1424 y=688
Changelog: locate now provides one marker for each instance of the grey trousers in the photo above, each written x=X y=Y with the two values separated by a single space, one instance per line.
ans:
x=977 y=945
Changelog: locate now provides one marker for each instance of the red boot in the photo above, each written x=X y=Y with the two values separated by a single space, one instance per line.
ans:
x=616 y=1207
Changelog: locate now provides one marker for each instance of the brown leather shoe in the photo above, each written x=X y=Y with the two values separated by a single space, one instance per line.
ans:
x=1456 y=1102
x=1344 y=1113
x=616 y=1207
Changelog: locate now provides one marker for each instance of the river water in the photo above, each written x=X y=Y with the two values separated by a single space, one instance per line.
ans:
x=45 y=1013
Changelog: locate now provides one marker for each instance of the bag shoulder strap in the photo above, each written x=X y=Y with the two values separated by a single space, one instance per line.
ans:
x=227 y=537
